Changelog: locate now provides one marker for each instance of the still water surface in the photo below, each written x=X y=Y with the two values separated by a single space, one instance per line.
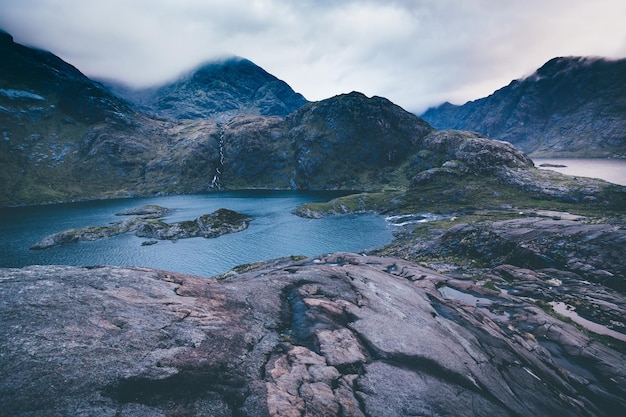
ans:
x=274 y=232
x=611 y=170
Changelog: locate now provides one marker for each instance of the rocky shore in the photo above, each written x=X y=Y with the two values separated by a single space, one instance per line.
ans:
x=342 y=334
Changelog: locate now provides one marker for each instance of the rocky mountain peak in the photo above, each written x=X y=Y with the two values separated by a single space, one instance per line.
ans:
x=375 y=113
x=5 y=37
x=559 y=66
x=233 y=70
x=341 y=138
x=219 y=90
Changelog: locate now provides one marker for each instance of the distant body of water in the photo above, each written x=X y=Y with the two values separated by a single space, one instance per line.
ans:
x=274 y=232
x=611 y=170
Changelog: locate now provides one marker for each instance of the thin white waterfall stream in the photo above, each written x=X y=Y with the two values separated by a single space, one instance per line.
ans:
x=215 y=183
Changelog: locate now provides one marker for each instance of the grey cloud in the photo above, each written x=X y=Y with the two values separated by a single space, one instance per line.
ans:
x=415 y=52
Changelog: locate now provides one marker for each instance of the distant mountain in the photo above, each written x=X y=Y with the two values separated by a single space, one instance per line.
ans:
x=219 y=91
x=570 y=107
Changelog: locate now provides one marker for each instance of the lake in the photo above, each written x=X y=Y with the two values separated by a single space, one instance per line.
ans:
x=612 y=170
x=274 y=232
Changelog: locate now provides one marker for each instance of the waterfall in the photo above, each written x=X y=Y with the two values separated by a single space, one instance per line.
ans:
x=215 y=183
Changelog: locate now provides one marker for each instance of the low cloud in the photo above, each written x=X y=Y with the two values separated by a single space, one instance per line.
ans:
x=417 y=53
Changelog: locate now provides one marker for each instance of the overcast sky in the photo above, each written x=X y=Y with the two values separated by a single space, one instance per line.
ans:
x=417 y=53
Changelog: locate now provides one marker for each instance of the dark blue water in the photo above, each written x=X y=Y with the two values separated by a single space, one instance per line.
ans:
x=274 y=232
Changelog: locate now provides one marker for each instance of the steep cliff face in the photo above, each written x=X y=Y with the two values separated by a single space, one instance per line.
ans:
x=570 y=107
x=219 y=91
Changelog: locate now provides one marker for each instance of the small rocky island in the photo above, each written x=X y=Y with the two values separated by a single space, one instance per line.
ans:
x=551 y=165
x=146 y=222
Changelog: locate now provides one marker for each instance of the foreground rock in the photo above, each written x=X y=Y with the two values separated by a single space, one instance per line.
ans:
x=146 y=223
x=342 y=334
x=569 y=264
x=594 y=252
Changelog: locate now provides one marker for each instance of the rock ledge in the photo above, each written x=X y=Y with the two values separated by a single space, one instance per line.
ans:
x=342 y=334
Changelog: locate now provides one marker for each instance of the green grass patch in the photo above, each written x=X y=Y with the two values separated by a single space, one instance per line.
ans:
x=353 y=203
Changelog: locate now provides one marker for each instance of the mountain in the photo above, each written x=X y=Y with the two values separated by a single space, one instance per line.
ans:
x=351 y=141
x=570 y=107
x=36 y=82
x=66 y=137
x=345 y=142
x=218 y=90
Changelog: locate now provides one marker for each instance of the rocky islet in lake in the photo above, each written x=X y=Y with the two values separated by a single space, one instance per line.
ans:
x=146 y=222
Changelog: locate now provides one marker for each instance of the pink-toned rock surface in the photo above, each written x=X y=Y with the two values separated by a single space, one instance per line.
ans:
x=342 y=334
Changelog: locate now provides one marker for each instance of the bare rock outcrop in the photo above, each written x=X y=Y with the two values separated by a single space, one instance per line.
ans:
x=146 y=223
x=592 y=251
x=342 y=334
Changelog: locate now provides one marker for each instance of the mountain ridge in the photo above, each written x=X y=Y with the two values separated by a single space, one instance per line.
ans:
x=218 y=90
x=67 y=137
x=569 y=107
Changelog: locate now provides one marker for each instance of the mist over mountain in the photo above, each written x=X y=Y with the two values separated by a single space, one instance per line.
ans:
x=570 y=107
x=30 y=76
x=223 y=126
x=226 y=125
x=218 y=90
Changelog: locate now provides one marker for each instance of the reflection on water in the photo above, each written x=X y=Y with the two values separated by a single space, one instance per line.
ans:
x=569 y=311
x=481 y=302
x=612 y=170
